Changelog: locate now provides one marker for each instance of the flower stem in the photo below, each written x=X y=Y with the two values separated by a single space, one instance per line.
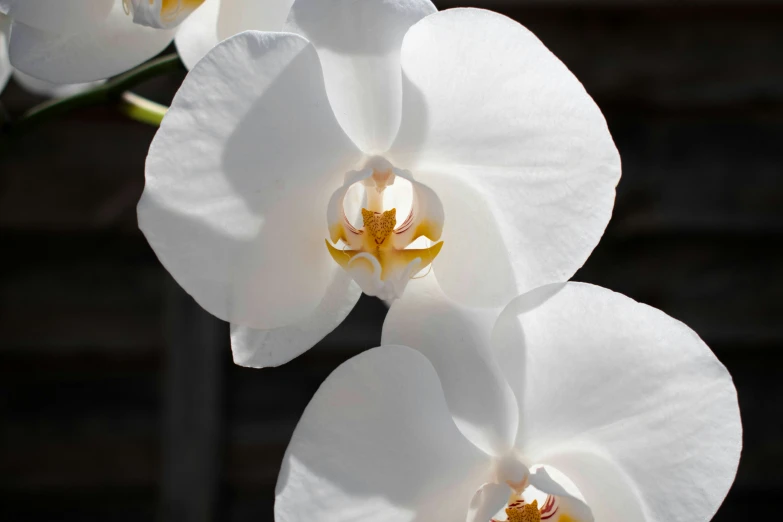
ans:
x=141 y=109
x=110 y=92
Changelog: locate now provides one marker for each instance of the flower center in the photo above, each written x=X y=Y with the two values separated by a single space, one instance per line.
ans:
x=518 y=511
x=379 y=254
x=379 y=225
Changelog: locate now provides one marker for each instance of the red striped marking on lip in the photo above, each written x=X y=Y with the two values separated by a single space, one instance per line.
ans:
x=548 y=510
x=349 y=226
x=405 y=224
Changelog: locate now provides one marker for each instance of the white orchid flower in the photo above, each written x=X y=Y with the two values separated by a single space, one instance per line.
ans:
x=574 y=404
x=390 y=132
x=78 y=41
x=27 y=82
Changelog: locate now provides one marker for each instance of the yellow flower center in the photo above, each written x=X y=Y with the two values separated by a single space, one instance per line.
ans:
x=379 y=225
x=377 y=254
x=520 y=512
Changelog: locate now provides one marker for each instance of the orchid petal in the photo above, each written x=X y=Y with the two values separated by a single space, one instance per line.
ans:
x=487 y=105
x=104 y=50
x=58 y=16
x=359 y=46
x=472 y=243
x=596 y=373
x=244 y=15
x=267 y=348
x=198 y=34
x=456 y=341
x=238 y=181
x=608 y=493
x=377 y=442
x=217 y=20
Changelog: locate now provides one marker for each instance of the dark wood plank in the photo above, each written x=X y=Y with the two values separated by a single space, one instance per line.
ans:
x=196 y=353
x=79 y=292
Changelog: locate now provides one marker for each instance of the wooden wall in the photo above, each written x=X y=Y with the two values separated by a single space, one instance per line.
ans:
x=118 y=397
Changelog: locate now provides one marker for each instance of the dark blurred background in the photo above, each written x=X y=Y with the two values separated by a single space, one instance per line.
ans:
x=118 y=397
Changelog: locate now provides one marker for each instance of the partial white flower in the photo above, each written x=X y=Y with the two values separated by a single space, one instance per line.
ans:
x=78 y=41
x=29 y=83
x=392 y=133
x=609 y=410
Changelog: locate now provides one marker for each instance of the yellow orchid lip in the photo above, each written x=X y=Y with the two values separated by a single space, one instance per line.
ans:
x=391 y=261
x=377 y=254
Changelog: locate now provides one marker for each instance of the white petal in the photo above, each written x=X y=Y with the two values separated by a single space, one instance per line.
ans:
x=485 y=103
x=377 y=443
x=243 y=15
x=59 y=16
x=217 y=20
x=359 y=46
x=473 y=244
x=197 y=35
x=239 y=177
x=266 y=348
x=107 y=49
x=608 y=492
x=456 y=340
x=53 y=90
x=487 y=501
x=599 y=374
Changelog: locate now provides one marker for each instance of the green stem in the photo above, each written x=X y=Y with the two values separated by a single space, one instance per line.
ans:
x=141 y=109
x=110 y=92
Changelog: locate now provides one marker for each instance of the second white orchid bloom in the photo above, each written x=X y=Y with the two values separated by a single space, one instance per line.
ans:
x=573 y=404
x=29 y=83
x=403 y=138
x=77 y=41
